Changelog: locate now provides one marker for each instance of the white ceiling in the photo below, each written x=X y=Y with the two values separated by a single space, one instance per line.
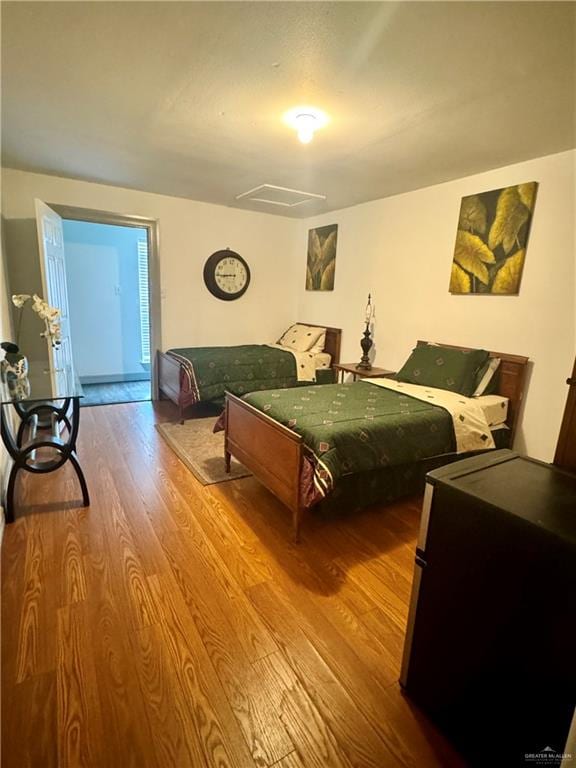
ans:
x=187 y=98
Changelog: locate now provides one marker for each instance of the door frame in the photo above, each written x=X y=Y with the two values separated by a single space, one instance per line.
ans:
x=95 y=216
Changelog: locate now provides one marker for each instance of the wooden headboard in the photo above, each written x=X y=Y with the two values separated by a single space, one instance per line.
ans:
x=511 y=379
x=332 y=343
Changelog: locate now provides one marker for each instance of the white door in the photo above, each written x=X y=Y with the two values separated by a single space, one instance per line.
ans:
x=53 y=266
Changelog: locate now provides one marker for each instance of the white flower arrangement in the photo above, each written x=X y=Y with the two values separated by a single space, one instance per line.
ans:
x=52 y=331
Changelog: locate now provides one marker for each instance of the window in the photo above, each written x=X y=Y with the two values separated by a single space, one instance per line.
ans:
x=144 y=301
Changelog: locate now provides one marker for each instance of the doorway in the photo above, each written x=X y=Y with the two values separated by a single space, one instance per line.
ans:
x=110 y=283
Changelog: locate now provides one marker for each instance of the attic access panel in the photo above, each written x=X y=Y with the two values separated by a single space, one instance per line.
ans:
x=281 y=196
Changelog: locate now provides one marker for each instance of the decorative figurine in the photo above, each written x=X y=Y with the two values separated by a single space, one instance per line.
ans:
x=14 y=365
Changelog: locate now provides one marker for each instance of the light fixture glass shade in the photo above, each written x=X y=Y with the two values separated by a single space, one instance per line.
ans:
x=369 y=310
x=305 y=121
x=306 y=125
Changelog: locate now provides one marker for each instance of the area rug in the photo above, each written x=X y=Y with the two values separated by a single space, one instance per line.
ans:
x=201 y=450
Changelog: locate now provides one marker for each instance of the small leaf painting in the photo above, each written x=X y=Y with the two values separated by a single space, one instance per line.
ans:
x=491 y=240
x=321 y=258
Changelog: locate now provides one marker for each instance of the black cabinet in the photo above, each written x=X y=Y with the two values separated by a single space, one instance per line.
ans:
x=490 y=650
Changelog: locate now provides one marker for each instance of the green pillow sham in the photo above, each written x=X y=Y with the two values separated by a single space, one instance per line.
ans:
x=443 y=368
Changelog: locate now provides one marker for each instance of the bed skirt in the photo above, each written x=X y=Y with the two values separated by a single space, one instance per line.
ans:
x=388 y=484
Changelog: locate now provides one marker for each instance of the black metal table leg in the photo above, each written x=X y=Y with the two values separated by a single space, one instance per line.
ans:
x=72 y=437
x=9 y=503
x=24 y=455
x=81 y=479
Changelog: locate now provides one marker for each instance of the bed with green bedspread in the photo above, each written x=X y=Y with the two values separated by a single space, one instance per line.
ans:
x=350 y=445
x=364 y=443
x=213 y=371
x=350 y=429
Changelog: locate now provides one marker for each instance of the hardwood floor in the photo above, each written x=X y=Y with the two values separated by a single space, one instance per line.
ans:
x=120 y=392
x=172 y=624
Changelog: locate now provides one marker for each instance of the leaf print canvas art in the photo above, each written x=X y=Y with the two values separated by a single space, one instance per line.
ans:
x=321 y=258
x=491 y=240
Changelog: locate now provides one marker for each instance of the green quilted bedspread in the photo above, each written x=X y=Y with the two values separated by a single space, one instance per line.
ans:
x=353 y=428
x=212 y=371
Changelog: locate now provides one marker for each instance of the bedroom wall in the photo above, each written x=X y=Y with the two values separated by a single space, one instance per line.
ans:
x=400 y=248
x=24 y=275
x=5 y=335
x=189 y=232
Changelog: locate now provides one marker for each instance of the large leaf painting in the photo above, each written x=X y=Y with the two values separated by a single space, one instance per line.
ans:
x=321 y=258
x=472 y=254
x=491 y=240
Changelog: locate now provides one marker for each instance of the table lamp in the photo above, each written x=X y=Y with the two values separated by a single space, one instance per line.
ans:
x=366 y=341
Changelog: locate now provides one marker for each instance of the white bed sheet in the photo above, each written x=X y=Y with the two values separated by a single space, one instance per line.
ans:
x=494 y=407
x=307 y=362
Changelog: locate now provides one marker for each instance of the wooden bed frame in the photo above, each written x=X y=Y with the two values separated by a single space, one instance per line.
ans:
x=171 y=377
x=275 y=454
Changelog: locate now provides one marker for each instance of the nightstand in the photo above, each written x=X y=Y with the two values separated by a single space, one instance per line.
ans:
x=361 y=373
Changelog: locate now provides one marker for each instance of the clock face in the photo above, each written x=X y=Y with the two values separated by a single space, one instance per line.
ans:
x=226 y=275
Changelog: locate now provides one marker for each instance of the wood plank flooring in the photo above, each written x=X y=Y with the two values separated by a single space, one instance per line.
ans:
x=172 y=624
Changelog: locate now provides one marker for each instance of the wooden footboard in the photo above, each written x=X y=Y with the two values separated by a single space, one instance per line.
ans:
x=169 y=380
x=272 y=452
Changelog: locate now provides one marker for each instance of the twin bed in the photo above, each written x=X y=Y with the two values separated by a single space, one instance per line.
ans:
x=193 y=375
x=373 y=440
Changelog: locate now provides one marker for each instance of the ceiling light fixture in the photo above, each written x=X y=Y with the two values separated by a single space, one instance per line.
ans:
x=305 y=121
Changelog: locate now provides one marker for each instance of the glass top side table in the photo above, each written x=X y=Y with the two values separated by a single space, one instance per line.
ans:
x=48 y=404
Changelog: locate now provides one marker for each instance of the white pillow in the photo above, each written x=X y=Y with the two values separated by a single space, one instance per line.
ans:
x=320 y=344
x=487 y=378
x=301 y=338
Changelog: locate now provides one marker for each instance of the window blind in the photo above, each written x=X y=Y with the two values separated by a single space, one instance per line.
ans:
x=144 y=301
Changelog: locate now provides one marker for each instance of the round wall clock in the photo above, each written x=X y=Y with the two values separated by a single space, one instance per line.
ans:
x=227 y=275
